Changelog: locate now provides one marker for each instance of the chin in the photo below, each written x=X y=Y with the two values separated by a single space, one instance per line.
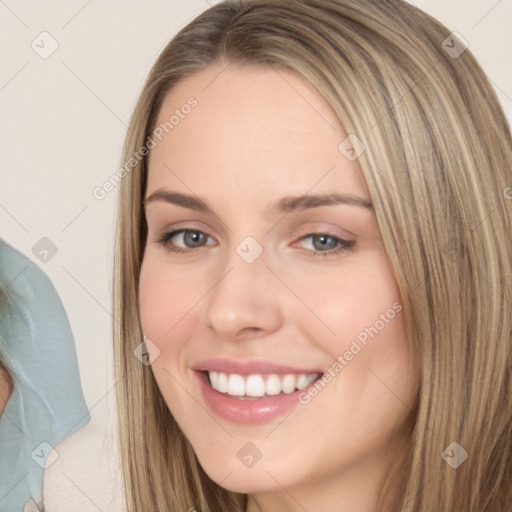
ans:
x=240 y=479
x=264 y=476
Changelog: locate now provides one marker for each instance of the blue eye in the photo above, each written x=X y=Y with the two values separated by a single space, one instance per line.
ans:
x=322 y=241
x=192 y=239
x=324 y=244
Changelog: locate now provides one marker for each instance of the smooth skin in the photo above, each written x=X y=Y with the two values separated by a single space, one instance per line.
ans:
x=256 y=136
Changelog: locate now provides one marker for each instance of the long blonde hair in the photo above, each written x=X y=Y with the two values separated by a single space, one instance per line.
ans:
x=437 y=163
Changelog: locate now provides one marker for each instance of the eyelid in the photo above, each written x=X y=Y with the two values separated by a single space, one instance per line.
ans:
x=166 y=235
x=187 y=226
x=342 y=244
x=329 y=228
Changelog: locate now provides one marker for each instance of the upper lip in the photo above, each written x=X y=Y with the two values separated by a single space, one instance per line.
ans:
x=247 y=367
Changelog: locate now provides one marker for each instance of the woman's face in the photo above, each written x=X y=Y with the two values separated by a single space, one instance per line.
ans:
x=263 y=270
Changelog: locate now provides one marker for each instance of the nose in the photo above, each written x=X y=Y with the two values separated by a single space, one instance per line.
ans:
x=244 y=301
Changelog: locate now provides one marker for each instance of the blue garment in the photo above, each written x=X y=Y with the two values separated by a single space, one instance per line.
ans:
x=47 y=404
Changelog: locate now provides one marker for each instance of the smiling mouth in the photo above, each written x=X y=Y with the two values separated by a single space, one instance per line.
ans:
x=258 y=386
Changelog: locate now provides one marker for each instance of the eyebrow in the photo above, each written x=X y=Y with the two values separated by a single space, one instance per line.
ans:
x=287 y=204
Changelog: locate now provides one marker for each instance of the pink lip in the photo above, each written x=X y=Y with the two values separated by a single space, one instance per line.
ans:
x=248 y=367
x=242 y=411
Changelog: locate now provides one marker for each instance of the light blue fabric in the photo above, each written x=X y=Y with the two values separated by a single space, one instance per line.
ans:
x=47 y=404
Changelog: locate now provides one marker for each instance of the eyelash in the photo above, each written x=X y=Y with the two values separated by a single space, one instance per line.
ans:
x=344 y=245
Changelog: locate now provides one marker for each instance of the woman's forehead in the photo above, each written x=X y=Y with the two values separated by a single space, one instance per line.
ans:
x=258 y=97
x=252 y=127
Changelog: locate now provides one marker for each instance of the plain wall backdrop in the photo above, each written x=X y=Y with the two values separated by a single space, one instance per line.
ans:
x=63 y=119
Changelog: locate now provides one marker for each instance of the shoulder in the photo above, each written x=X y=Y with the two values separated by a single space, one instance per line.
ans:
x=26 y=281
x=86 y=474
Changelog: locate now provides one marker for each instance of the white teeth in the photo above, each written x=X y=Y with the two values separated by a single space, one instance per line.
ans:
x=222 y=383
x=273 y=385
x=236 y=385
x=257 y=386
x=288 y=383
x=305 y=380
x=214 y=379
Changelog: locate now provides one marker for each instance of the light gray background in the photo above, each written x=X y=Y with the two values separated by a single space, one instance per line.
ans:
x=63 y=120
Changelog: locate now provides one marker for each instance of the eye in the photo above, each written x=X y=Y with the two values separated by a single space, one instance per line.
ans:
x=325 y=244
x=190 y=238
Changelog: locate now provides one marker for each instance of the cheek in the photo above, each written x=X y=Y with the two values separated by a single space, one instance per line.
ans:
x=359 y=321
x=355 y=302
x=166 y=311
x=166 y=298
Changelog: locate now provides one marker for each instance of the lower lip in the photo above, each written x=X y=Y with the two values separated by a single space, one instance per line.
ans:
x=247 y=412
